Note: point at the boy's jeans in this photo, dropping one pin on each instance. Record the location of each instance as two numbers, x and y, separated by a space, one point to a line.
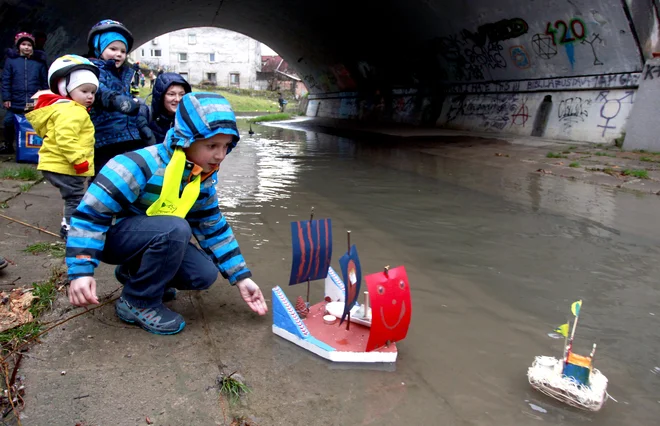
157 253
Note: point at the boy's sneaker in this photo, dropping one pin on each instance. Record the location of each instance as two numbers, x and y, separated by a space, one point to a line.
122 277
157 320
3 263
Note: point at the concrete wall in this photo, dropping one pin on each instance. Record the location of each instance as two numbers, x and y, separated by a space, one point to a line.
497 64
537 39
235 53
404 61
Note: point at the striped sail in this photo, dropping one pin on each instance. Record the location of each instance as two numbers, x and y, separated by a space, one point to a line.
312 250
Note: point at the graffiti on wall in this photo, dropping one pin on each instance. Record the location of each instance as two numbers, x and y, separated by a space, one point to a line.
492 111
612 107
594 38
531 45
544 46
566 33
613 81
497 31
573 110
651 72
519 57
520 117
471 55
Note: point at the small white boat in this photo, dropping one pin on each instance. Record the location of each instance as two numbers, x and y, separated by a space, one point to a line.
546 375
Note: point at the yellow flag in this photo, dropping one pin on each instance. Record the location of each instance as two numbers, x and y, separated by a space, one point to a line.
575 307
562 329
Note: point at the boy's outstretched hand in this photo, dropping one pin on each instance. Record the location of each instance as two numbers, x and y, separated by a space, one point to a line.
251 293
82 292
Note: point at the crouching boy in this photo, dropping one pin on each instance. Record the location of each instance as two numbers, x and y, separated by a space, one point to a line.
160 197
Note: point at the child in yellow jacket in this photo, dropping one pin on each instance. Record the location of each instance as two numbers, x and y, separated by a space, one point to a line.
66 157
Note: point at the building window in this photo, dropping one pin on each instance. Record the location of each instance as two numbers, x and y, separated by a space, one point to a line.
211 57
192 38
210 76
234 79
142 53
154 41
183 57
184 75
156 53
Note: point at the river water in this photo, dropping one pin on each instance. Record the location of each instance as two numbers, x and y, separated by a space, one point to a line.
495 258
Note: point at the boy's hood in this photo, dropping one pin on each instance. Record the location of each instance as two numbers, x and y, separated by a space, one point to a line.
39 117
201 115
163 82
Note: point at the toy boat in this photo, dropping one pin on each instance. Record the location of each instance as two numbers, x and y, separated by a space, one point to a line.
320 328
572 379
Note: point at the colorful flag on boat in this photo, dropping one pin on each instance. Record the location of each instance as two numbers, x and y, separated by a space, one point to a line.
575 307
562 329
352 273
311 242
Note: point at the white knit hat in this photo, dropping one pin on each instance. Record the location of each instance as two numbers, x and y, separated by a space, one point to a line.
75 79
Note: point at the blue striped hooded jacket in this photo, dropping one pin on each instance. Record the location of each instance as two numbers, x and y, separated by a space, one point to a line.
131 182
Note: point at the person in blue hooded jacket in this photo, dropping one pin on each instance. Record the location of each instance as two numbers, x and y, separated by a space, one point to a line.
168 90
119 127
141 211
24 74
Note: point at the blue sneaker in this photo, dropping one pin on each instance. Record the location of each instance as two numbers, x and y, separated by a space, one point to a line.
157 320
122 277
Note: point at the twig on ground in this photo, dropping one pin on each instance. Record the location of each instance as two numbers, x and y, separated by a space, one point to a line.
29 226
86 311
5 370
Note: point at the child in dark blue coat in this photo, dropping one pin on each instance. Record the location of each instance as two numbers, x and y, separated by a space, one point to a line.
119 128
23 76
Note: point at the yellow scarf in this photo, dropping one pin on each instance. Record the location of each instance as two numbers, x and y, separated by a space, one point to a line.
169 203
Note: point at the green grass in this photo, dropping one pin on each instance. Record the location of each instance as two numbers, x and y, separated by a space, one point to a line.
232 388
45 294
572 147
619 141
649 159
19 173
239 102
4 205
604 154
554 155
641 174
55 249
20 334
574 164
271 117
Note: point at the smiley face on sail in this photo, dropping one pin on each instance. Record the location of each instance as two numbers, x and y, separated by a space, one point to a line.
389 294
392 311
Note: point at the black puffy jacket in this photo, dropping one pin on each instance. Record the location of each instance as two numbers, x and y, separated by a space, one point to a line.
22 77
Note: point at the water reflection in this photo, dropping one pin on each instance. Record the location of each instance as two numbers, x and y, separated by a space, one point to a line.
496 256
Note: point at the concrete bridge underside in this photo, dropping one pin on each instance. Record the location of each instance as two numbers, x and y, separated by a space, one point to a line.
564 69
